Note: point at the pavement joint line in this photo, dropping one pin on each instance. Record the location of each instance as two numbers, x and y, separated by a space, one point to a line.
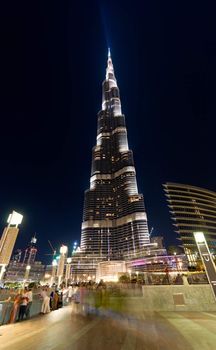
25 336
80 333
208 314
85 329
129 342
73 339
188 327
19 329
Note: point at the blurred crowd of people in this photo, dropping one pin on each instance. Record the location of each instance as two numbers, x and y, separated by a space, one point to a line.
19 302
86 297
168 278
22 302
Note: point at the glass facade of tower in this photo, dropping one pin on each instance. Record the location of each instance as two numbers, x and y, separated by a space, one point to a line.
192 209
114 217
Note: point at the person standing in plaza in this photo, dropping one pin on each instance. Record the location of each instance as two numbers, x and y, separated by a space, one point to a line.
45 308
30 299
23 305
14 311
70 293
4 306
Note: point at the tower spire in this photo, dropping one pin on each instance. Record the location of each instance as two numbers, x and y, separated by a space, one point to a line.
109 53
111 97
110 70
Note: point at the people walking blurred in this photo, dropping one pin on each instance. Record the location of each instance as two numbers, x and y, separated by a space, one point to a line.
15 308
54 299
60 300
178 279
23 305
5 304
70 293
185 280
45 308
76 308
30 299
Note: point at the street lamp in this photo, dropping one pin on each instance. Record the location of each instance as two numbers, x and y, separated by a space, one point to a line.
54 268
176 261
2 271
129 271
207 259
199 237
61 261
74 247
26 276
68 270
8 240
63 249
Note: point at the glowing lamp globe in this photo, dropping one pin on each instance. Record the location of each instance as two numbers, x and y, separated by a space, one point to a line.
14 218
63 249
199 237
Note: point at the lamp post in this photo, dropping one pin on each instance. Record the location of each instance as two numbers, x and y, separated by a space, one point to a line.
74 247
176 261
2 271
129 271
8 240
26 276
68 270
54 268
60 269
207 260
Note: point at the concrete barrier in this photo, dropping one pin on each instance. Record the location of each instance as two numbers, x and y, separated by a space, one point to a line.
6 308
196 298
178 298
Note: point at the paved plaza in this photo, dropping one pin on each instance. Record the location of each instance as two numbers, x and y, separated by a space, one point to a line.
63 329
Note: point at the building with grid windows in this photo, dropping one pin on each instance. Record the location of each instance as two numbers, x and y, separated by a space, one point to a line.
114 216
192 209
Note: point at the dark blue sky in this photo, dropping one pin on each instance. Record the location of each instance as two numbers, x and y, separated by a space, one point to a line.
53 58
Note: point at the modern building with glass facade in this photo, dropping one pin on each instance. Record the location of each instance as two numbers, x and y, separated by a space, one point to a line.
114 216
192 209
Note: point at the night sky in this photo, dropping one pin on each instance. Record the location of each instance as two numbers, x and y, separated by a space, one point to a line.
53 59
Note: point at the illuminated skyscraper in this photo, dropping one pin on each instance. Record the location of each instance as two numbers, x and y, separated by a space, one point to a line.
114 217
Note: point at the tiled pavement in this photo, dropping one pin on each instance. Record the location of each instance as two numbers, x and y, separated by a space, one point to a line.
64 330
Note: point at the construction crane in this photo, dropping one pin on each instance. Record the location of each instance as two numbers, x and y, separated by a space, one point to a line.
53 250
152 229
51 246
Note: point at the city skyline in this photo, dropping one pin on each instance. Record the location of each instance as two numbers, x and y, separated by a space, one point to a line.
51 87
